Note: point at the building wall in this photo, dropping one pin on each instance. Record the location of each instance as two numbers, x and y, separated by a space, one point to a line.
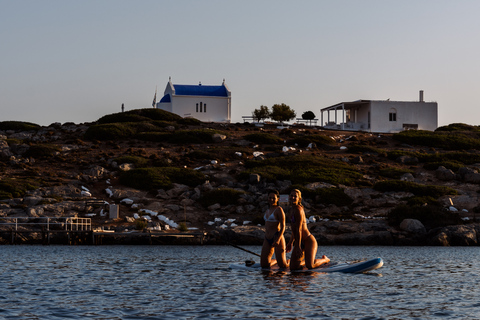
218 108
423 114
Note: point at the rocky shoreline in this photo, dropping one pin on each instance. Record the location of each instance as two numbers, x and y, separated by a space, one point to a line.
81 170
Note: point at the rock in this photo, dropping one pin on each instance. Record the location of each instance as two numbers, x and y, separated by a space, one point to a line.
413 226
254 178
357 160
444 174
95 171
407 160
32 201
218 137
407 177
214 207
126 166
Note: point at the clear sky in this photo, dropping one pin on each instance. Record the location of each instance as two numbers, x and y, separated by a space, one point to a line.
75 61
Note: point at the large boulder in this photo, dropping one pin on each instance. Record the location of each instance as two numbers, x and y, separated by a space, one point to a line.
413 226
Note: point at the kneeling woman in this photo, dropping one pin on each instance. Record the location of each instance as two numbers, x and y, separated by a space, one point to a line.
303 242
274 240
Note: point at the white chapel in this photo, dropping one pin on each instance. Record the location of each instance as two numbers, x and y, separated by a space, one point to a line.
208 103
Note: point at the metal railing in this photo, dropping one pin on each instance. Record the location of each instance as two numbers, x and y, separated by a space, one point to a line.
66 223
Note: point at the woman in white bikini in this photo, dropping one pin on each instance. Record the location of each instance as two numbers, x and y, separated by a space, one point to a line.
304 243
274 228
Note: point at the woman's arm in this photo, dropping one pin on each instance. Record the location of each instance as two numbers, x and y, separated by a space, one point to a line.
280 216
297 228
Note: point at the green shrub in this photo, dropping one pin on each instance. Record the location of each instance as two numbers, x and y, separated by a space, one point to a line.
192 136
318 139
415 188
42 151
431 216
302 169
358 148
326 196
19 126
189 121
151 179
420 201
139 162
182 227
140 224
111 131
263 138
15 188
449 140
452 165
458 127
394 173
122 117
140 115
154 136
223 196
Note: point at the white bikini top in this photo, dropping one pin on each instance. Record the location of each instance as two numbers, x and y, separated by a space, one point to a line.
270 218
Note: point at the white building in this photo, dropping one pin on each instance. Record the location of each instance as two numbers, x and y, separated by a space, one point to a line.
205 103
381 115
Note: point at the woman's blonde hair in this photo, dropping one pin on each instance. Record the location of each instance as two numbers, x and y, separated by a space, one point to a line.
299 196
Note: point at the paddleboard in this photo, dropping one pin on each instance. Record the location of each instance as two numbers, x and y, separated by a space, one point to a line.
346 267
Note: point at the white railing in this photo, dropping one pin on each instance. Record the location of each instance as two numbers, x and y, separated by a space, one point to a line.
68 224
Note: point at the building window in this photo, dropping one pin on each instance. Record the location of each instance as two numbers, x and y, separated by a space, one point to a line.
201 106
392 116
197 107
205 107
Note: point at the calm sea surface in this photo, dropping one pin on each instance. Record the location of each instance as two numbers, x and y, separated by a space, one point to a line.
194 282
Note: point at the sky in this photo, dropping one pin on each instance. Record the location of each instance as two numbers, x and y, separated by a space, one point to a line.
76 61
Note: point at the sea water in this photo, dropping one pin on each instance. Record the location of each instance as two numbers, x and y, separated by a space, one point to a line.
195 282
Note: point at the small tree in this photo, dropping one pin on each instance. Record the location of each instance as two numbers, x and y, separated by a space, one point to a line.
261 114
308 115
282 113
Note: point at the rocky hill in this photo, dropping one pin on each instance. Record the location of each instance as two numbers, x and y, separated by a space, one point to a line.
168 173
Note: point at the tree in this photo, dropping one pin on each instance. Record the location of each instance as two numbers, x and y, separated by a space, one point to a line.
282 113
261 114
308 115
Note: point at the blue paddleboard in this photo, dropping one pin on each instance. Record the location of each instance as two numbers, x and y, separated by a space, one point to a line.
346 267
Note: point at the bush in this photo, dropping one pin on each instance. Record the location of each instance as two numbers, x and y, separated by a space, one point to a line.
19 126
318 139
452 165
15 188
302 169
415 188
358 148
42 151
326 196
431 216
420 201
449 140
137 161
263 138
151 179
140 224
223 196
394 173
139 115
111 131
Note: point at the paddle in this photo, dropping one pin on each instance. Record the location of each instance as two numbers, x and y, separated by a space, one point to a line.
235 246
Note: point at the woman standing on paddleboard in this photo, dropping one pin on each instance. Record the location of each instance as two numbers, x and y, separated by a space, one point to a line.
274 228
304 243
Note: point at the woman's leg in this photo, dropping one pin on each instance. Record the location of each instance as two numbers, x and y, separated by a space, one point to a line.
281 255
311 247
266 256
